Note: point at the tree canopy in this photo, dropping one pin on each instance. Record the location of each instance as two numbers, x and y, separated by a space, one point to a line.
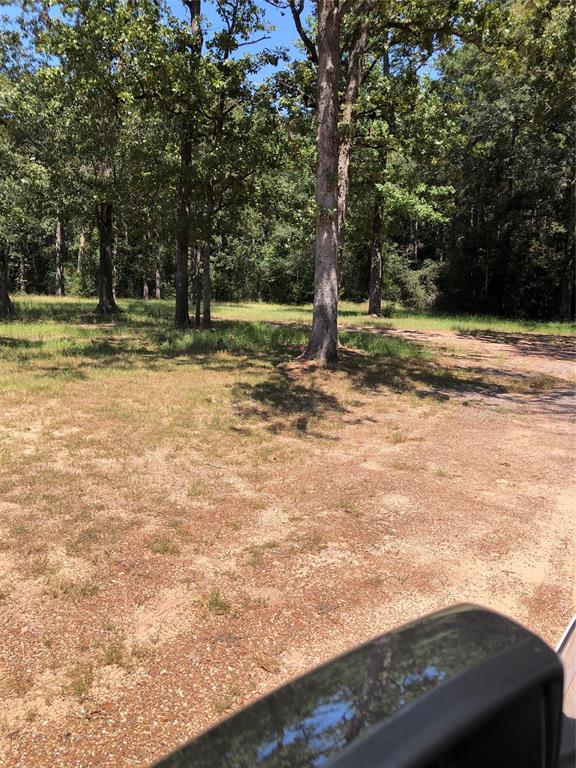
174 149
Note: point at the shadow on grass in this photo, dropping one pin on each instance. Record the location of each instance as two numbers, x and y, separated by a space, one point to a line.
370 360
532 344
285 404
423 378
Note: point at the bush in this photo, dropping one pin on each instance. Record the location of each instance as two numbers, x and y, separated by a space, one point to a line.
415 286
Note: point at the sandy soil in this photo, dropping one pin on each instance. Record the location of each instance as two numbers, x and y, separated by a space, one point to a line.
399 504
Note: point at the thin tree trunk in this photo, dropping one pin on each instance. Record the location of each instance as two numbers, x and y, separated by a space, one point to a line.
7 309
104 215
21 273
60 255
194 50
81 248
375 287
181 317
353 80
197 261
106 301
323 342
158 291
376 245
568 289
206 256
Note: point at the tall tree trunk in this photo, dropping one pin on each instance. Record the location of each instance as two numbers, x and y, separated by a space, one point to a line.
106 301
7 309
104 215
206 256
60 255
375 287
194 50
375 284
181 317
323 342
81 248
568 289
158 291
346 128
197 262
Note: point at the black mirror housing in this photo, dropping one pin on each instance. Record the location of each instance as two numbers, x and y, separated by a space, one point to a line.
464 687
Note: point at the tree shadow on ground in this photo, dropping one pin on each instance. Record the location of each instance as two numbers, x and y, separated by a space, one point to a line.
372 362
425 379
284 404
532 344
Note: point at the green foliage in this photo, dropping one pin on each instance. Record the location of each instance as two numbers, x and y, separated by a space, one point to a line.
465 154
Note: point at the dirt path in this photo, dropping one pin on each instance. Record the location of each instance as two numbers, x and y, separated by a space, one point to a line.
302 543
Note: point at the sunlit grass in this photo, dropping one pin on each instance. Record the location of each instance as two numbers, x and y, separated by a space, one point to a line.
51 311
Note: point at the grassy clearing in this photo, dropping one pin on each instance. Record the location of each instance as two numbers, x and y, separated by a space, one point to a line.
153 480
61 341
52 311
58 341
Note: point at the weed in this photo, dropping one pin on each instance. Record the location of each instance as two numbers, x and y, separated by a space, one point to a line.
81 678
227 702
162 545
403 466
82 543
115 653
18 681
257 551
352 510
141 651
217 604
312 542
40 566
76 590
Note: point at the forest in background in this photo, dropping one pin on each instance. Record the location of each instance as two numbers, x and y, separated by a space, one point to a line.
148 153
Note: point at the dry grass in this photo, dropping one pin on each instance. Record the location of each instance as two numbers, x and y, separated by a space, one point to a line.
156 489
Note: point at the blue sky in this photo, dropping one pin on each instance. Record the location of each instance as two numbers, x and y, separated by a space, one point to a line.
284 34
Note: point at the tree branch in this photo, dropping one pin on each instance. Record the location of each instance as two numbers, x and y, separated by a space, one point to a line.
296 7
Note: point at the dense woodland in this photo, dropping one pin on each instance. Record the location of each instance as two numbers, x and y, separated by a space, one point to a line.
413 152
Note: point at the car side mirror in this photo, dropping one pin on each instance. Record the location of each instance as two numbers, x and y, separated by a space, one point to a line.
461 688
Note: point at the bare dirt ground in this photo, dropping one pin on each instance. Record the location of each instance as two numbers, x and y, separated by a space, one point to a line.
162 566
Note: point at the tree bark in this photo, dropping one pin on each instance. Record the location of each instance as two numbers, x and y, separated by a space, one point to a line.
206 256
7 309
60 256
181 317
375 287
81 248
104 221
568 290
323 342
106 300
158 291
353 80
197 262
194 50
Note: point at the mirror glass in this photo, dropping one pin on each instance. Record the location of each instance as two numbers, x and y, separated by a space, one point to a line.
313 718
